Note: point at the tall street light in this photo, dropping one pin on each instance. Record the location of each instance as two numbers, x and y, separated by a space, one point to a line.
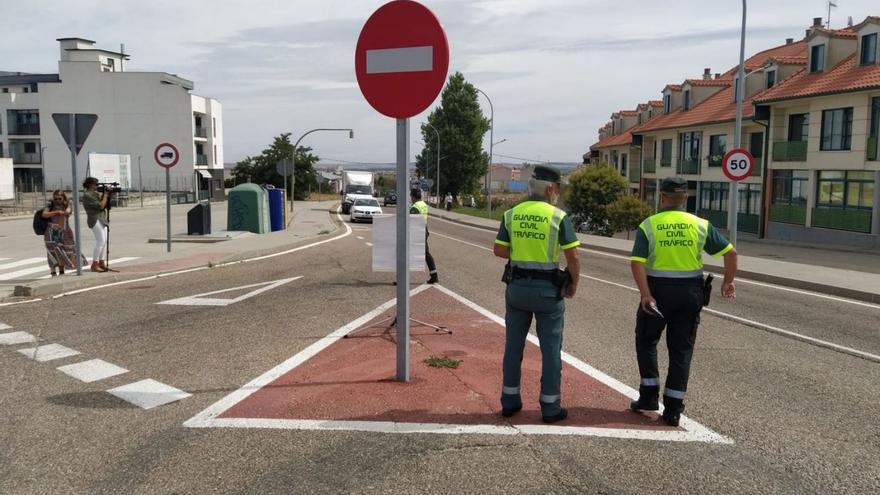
733 199
438 161
293 159
491 137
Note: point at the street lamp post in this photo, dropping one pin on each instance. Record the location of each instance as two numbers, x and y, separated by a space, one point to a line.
438 161
733 200
293 159
491 137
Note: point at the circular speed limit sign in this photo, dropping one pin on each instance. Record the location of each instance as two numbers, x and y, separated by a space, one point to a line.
738 164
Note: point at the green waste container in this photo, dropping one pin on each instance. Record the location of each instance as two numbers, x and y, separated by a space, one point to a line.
248 209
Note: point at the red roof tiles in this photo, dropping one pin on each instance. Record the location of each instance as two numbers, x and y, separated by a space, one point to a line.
756 61
835 33
656 103
709 82
846 76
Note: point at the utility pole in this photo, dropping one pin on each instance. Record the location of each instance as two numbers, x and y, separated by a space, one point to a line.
491 138
733 199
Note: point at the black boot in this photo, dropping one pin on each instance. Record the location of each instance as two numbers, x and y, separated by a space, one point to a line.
647 399
672 409
563 413
434 279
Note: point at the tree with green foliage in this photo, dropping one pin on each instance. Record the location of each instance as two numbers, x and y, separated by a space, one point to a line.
461 124
261 169
589 193
626 213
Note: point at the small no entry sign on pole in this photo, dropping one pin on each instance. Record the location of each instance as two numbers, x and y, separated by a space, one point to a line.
738 164
167 155
401 62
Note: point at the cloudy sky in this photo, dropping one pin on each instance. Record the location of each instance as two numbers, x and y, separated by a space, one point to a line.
555 69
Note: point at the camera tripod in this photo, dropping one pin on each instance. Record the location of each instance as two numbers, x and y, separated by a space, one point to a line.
107 254
393 320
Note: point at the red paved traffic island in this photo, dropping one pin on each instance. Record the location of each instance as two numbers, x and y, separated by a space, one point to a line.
348 383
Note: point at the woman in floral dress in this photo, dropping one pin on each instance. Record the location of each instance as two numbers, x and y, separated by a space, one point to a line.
60 247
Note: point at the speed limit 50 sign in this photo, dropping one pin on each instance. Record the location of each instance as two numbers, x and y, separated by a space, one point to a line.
738 164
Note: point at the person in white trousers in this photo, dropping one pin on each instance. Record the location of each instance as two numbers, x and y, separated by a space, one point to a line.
95 204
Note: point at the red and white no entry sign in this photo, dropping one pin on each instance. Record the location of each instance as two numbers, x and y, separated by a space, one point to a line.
401 59
166 155
738 164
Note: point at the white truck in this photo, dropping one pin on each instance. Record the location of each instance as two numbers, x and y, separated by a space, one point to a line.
355 185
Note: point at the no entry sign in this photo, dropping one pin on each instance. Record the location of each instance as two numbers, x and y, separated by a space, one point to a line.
738 164
166 155
401 59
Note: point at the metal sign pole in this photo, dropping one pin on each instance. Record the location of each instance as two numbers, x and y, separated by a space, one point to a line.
733 200
72 145
168 207
403 235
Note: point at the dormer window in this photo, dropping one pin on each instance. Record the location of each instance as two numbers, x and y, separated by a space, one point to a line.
869 49
687 99
817 58
771 78
650 112
667 103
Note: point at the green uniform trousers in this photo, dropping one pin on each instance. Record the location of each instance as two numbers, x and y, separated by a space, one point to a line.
524 299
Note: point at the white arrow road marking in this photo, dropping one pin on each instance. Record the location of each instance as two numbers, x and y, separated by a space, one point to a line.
201 300
415 59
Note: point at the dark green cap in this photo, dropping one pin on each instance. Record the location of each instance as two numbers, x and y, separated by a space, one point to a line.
547 173
674 185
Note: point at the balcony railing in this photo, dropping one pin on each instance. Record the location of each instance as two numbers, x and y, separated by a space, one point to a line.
24 130
842 219
201 132
790 151
715 160
666 161
26 158
201 159
759 167
635 174
649 165
688 166
872 148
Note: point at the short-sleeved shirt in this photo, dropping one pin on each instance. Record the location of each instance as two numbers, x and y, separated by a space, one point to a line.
716 244
567 237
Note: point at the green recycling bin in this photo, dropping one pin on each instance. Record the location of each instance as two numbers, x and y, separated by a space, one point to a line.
248 209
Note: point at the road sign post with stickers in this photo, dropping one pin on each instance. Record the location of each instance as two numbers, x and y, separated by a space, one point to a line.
167 155
401 62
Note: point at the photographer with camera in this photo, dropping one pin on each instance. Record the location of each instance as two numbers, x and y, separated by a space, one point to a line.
97 203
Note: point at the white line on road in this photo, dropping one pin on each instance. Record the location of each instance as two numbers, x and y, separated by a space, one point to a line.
201 300
48 352
739 280
25 262
30 271
369 244
15 338
360 238
754 324
4 326
92 370
148 393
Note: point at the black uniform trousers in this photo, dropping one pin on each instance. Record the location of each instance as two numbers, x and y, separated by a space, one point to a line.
680 301
429 260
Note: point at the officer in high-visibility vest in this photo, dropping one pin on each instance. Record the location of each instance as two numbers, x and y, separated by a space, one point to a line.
667 265
421 208
531 236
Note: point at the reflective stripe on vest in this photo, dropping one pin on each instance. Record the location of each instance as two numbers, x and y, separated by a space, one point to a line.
534 235
422 207
675 244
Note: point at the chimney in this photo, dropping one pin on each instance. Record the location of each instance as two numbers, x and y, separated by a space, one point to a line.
707 74
717 75
789 41
817 22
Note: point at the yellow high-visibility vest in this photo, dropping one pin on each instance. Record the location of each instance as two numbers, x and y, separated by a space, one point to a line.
534 235
675 244
422 207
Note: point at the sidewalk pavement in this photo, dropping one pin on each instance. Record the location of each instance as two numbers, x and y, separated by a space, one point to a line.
852 274
131 228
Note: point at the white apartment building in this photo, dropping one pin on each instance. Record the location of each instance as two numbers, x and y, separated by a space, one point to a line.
136 112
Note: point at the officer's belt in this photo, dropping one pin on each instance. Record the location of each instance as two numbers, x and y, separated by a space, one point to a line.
517 273
694 281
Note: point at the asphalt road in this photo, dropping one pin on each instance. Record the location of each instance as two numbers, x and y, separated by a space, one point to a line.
801 417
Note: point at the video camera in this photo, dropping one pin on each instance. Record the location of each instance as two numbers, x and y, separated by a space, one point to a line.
109 187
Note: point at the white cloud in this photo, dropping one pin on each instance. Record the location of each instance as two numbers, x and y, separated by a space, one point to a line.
556 69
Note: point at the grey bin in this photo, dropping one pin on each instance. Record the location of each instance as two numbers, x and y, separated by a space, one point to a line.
198 219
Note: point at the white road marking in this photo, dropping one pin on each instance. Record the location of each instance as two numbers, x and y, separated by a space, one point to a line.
738 280
4 326
25 262
693 431
15 338
754 324
148 393
48 352
369 244
360 238
30 271
92 370
412 59
201 300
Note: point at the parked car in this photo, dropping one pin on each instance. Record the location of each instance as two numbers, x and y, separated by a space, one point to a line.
390 198
365 209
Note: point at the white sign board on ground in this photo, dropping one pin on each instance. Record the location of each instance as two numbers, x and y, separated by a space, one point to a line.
385 243
7 179
107 167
